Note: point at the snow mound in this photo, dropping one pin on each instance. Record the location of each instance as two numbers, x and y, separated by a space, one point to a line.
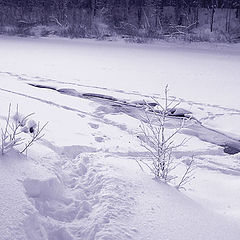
48 189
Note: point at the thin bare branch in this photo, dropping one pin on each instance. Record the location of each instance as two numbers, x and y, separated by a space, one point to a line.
187 176
36 136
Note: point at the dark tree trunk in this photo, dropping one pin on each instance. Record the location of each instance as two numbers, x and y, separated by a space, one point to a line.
126 10
140 13
178 12
212 16
159 13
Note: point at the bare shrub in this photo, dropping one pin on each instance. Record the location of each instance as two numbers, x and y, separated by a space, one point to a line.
19 130
161 145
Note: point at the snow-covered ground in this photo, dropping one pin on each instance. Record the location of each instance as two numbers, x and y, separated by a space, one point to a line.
82 181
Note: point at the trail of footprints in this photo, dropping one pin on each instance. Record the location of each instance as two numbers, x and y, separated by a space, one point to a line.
88 203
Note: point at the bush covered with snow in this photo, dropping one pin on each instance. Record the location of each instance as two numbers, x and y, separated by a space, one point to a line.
19 130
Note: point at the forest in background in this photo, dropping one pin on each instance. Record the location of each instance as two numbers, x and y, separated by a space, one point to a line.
134 20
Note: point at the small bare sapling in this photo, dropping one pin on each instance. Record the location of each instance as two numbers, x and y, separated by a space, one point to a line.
161 145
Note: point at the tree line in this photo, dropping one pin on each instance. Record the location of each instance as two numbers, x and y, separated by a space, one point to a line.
130 17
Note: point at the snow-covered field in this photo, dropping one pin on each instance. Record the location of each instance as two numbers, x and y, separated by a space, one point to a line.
81 180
